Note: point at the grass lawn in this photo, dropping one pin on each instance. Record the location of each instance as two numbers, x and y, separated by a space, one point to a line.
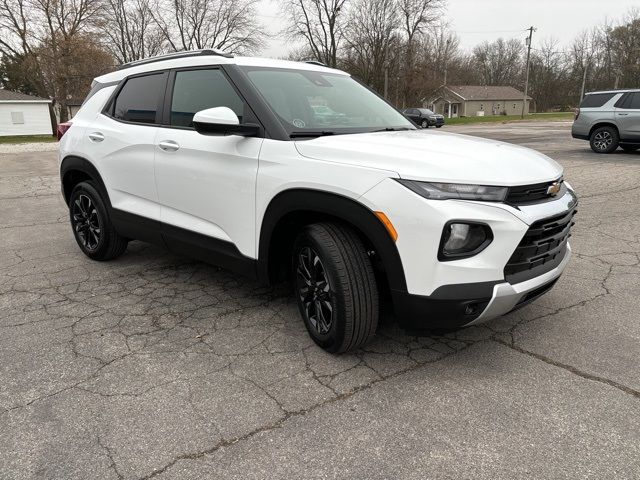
544 117
27 139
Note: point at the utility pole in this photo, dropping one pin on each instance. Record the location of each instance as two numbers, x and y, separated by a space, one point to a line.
526 77
446 60
584 81
386 71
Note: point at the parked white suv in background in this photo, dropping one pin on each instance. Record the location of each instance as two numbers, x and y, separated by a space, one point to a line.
235 161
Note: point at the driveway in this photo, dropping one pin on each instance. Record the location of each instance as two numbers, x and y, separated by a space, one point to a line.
156 366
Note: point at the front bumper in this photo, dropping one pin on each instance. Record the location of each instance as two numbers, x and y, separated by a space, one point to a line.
452 294
462 305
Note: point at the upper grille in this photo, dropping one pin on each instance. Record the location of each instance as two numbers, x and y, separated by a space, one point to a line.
541 249
524 194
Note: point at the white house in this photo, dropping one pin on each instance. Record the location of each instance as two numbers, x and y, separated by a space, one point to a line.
22 114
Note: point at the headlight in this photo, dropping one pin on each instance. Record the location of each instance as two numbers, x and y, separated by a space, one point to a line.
461 239
460 191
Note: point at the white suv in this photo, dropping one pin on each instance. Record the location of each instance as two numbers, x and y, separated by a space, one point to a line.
237 162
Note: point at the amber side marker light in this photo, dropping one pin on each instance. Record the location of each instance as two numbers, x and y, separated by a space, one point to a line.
388 225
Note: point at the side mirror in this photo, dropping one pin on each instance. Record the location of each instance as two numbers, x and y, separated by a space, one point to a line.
222 121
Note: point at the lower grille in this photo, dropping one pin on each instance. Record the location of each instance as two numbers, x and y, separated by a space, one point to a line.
541 249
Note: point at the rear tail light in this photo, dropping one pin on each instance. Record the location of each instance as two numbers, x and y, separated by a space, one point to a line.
577 113
62 129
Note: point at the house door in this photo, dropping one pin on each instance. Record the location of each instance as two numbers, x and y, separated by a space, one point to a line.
454 110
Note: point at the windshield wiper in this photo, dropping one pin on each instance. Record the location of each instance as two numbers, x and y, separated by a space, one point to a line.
392 129
322 133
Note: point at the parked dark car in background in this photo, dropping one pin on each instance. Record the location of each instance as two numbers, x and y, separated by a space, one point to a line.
424 117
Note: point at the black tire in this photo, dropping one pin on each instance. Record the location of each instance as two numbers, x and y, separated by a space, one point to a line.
630 148
438 126
333 273
604 140
91 225
424 124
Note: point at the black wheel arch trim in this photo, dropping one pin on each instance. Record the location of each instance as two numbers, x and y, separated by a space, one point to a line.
335 205
73 163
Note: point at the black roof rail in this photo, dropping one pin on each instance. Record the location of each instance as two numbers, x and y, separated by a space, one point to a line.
172 56
315 62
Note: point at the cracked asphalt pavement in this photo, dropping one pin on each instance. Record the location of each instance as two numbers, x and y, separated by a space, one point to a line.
156 366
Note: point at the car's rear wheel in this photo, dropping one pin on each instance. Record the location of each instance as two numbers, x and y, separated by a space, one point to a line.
424 124
604 140
92 227
335 287
630 148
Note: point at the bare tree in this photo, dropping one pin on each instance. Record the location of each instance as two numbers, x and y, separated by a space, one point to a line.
624 50
499 62
319 23
42 39
131 31
584 56
194 24
548 75
416 17
372 41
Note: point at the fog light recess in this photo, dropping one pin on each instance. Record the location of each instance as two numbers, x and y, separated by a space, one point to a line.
463 239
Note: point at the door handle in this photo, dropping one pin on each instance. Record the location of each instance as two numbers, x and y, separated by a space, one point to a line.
96 137
169 145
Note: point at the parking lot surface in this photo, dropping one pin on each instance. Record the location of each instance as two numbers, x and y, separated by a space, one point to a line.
156 366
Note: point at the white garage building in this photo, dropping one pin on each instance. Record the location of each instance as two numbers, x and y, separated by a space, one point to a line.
22 114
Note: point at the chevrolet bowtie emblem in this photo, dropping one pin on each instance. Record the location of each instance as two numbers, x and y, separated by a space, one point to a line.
553 189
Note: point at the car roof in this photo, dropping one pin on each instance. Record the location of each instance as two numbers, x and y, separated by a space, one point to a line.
626 90
198 58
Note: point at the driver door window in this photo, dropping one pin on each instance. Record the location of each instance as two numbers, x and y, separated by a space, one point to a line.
195 90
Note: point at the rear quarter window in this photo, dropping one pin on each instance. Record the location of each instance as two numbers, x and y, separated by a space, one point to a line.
596 100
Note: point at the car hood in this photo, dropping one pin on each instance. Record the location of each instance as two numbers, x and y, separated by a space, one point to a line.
436 156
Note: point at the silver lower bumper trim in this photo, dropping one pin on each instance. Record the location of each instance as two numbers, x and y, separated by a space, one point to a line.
506 296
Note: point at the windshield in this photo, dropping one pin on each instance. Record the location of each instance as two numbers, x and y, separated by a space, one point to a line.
426 111
319 103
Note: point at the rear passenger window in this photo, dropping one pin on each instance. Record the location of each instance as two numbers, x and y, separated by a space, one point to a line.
633 102
596 100
196 90
139 99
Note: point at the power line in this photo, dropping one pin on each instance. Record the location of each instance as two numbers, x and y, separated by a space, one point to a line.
491 31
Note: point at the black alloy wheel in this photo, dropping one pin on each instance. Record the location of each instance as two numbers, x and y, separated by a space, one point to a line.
314 291
335 286
86 223
91 224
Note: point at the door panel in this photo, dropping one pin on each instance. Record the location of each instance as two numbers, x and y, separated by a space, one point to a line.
125 160
628 118
122 140
208 185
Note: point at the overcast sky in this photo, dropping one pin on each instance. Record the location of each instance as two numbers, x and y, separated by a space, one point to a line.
477 20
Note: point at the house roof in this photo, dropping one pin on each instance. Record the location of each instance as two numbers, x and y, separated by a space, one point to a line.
485 92
10 96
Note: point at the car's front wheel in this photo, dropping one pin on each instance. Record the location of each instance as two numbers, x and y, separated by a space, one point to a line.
335 287
92 227
424 124
604 140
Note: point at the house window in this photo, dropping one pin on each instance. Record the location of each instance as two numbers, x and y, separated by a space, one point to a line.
17 118
514 106
482 106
